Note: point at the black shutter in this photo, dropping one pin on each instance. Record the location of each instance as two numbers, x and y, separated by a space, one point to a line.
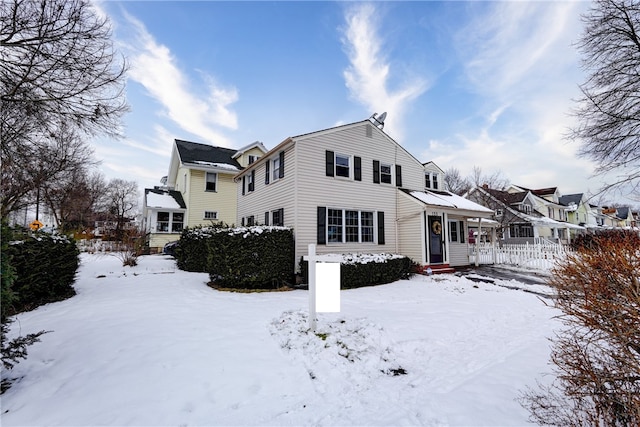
357 168
281 216
381 228
376 171
462 232
243 185
329 160
322 224
266 174
252 184
243 221
266 218
281 175
398 176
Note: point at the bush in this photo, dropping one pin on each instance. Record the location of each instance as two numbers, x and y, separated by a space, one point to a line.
192 251
591 239
45 268
596 357
258 257
367 270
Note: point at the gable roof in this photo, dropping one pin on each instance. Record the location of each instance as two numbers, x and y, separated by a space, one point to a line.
571 199
204 154
445 199
163 199
257 144
506 197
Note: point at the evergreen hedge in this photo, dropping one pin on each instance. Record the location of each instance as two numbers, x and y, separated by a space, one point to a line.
258 257
361 270
44 268
191 251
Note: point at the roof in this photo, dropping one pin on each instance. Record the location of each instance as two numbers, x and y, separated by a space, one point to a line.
571 199
506 197
204 154
257 144
540 191
163 199
447 200
622 212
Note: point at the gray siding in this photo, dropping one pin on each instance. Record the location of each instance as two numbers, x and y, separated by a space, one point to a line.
411 229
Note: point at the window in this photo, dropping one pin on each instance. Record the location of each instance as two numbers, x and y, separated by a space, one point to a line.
211 180
250 221
178 221
210 215
521 230
499 212
253 159
431 180
385 173
170 221
251 180
349 226
334 225
162 226
453 231
342 165
184 183
277 218
276 168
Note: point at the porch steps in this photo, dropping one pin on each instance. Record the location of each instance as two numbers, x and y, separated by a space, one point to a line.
437 269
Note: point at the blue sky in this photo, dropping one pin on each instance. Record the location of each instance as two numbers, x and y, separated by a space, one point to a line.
464 83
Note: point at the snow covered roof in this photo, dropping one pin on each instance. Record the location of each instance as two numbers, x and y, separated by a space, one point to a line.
163 199
206 155
448 200
216 165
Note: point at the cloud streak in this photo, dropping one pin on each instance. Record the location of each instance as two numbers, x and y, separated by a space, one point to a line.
369 73
154 67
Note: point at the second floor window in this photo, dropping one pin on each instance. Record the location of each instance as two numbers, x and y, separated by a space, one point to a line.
385 173
276 168
342 166
211 181
431 180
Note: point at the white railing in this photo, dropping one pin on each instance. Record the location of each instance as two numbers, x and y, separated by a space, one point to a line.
540 256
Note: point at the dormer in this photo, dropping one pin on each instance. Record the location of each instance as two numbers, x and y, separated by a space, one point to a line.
250 153
433 177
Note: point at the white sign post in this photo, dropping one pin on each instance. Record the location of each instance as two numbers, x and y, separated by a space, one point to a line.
324 285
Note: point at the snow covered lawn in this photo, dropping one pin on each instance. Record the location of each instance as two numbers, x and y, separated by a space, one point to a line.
154 346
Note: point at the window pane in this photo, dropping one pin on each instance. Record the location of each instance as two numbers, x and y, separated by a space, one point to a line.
211 181
385 174
453 230
163 222
427 180
435 181
366 226
342 166
334 225
351 220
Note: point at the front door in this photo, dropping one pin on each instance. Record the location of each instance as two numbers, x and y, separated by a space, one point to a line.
434 239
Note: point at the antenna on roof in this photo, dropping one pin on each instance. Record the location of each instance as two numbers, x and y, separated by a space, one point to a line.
163 180
378 120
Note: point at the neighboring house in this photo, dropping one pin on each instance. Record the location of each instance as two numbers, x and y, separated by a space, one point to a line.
578 210
164 215
518 213
352 188
201 182
546 201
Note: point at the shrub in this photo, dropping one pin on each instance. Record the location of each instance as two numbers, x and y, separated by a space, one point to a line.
258 257
45 268
596 356
358 270
592 239
192 251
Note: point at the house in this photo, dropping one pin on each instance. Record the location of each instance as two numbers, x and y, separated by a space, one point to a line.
199 189
352 188
578 210
520 217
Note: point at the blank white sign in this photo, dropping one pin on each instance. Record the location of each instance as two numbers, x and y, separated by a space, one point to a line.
328 287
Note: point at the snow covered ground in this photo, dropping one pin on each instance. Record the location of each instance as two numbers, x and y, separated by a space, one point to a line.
154 346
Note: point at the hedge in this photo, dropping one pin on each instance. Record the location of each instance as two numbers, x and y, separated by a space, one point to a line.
192 250
358 270
45 267
258 257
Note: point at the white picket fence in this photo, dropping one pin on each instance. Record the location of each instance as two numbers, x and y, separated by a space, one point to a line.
540 256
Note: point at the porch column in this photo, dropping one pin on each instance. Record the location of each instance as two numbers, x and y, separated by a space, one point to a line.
494 237
478 241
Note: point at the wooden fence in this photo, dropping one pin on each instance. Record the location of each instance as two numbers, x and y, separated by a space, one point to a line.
540 256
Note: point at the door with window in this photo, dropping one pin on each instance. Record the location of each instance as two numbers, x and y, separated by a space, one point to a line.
435 239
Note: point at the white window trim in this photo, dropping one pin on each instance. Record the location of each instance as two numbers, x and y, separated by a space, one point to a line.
335 166
275 172
433 176
170 222
391 169
344 226
205 182
215 215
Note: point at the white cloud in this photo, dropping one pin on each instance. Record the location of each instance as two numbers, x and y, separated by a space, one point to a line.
368 75
154 66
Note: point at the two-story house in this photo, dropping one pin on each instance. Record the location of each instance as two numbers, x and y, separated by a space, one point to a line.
199 189
353 189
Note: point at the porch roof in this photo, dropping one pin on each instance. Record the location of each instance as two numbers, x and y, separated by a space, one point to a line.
445 199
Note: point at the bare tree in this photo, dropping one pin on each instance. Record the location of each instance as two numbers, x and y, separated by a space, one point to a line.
609 110
455 182
59 75
495 180
122 203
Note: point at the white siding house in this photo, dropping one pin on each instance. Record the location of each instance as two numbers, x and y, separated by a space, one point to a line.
344 189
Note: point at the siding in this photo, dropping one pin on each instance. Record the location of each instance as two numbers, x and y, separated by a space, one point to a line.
198 200
411 229
459 252
158 240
